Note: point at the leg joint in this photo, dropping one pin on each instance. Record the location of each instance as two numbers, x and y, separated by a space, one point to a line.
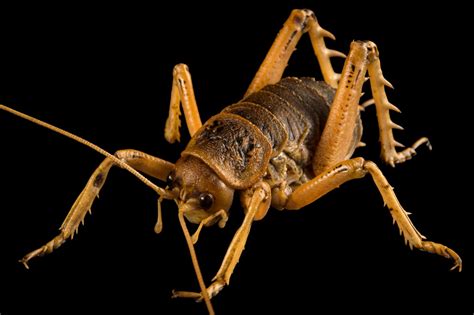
373 51
180 68
358 166
300 18
128 154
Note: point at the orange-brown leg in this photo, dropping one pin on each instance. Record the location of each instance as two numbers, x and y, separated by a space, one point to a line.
257 199
347 170
140 161
340 137
383 107
342 131
182 92
299 22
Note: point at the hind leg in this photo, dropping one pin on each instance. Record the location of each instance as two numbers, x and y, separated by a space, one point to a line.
383 107
182 93
341 134
298 23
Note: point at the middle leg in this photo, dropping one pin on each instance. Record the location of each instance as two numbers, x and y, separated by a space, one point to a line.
357 168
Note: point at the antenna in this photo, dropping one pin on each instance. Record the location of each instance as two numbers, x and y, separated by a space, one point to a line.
162 192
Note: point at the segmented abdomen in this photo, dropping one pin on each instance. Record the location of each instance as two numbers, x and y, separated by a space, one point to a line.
291 114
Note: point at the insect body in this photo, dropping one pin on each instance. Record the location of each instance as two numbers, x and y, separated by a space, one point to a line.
269 135
285 144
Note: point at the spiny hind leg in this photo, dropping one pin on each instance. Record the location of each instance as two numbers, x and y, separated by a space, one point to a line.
383 107
299 22
148 164
182 93
347 170
342 130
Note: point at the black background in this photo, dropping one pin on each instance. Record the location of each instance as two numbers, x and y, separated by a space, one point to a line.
104 73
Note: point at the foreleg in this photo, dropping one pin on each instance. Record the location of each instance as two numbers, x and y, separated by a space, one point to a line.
140 161
260 198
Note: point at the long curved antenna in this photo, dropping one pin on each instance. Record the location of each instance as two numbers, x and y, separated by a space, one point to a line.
162 192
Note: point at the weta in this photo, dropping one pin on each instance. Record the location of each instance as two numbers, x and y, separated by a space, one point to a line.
287 143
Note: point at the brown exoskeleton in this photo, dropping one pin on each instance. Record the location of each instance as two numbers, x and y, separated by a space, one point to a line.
285 144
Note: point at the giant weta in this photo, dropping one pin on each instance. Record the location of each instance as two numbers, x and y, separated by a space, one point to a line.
288 142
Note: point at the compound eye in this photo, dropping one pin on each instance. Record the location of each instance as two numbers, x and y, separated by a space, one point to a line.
169 180
206 200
